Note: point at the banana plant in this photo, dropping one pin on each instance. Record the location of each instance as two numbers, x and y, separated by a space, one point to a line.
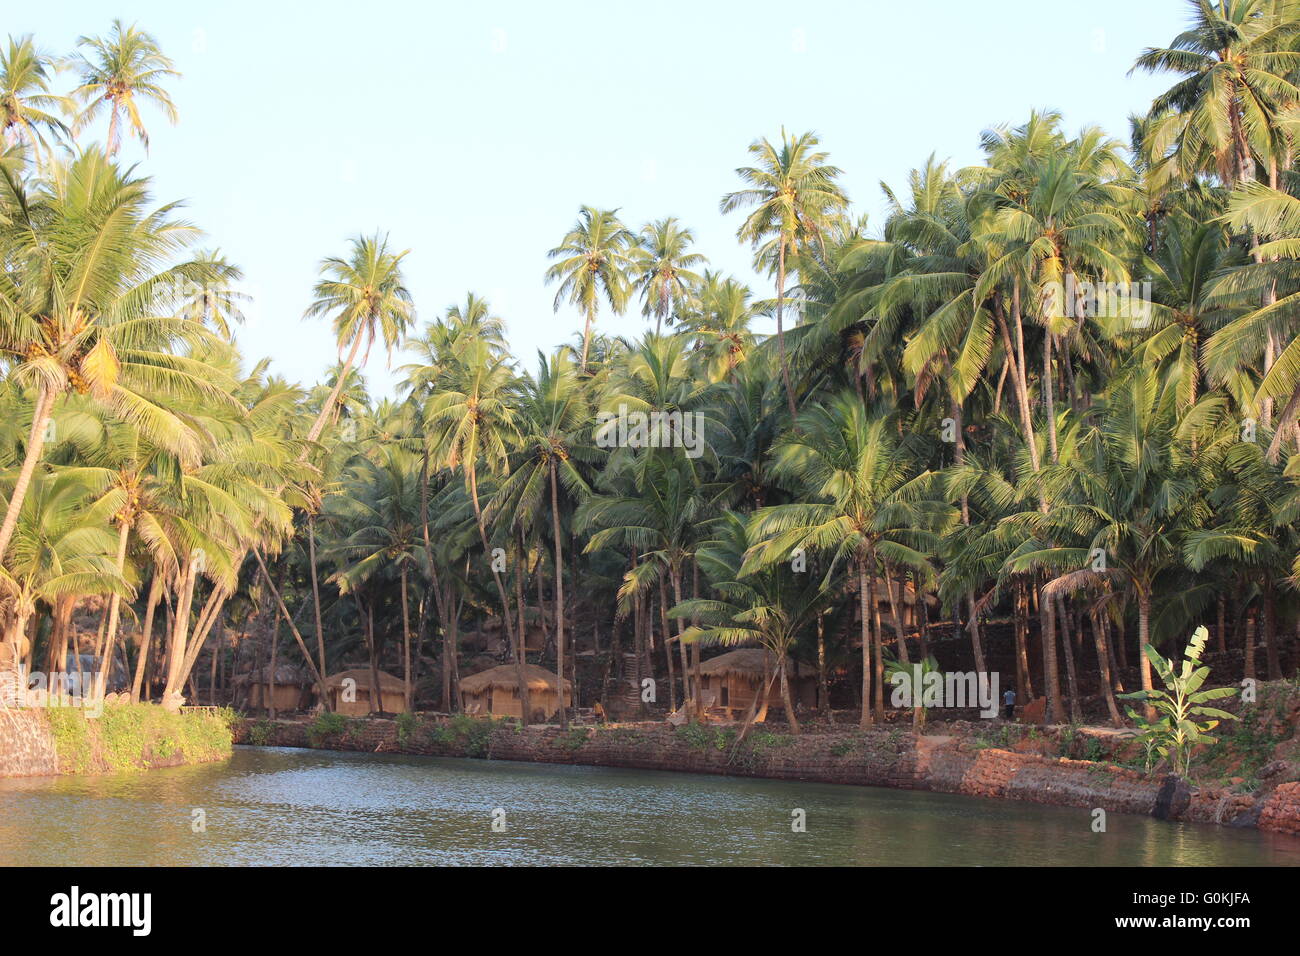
1175 732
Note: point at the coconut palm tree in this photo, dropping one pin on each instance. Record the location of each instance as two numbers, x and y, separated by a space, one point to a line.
27 106
473 426
1235 60
63 546
87 306
554 449
379 504
862 500
662 271
365 296
594 258
768 607
795 198
119 73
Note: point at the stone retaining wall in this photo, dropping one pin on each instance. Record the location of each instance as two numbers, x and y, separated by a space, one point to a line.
26 744
884 758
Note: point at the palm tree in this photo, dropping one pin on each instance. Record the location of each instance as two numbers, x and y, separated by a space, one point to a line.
768 607
25 98
595 257
554 448
1235 61
866 502
119 73
84 308
1132 493
719 325
379 505
796 198
473 425
366 297
63 546
662 269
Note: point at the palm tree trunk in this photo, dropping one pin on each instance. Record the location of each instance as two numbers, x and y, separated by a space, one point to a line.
896 618
293 629
376 694
780 331
1049 399
471 470
863 600
1270 632
586 336
1103 669
1072 682
406 646
1144 637
171 698
1051 669
559 592
326 409
270 668
785 696
668 649
35 444
822 685
114 608
315 590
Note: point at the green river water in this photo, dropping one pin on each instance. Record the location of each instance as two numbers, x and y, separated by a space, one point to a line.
280 806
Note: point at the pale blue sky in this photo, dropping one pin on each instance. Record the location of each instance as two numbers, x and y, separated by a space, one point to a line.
472 133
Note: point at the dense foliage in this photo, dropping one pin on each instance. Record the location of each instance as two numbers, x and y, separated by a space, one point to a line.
1060 388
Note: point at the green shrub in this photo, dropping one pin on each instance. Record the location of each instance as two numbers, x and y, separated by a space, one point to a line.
327 727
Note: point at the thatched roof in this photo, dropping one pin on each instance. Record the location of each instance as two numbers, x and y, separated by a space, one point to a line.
539 679
387 682
745 660
286 674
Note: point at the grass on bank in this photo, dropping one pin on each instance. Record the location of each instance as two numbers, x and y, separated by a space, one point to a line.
130 737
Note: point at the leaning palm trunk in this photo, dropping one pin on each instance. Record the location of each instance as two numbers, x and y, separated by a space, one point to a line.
35 444
327 409
293 629
172 698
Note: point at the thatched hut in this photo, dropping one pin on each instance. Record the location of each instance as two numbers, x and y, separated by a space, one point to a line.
731 681
392 692
496 691
292 688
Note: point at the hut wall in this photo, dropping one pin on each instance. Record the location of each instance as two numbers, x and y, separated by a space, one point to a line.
392 702
286 697
505 702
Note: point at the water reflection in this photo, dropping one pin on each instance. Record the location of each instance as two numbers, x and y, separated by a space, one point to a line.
293 807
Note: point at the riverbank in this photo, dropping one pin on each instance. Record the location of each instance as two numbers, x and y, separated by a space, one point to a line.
47 741
1006 761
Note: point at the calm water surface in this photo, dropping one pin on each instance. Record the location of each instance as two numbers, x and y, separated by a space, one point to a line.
288 807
